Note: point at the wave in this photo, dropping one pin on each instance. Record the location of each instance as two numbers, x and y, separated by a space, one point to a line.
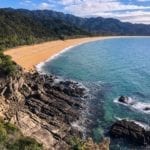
134 104
39 67
141 124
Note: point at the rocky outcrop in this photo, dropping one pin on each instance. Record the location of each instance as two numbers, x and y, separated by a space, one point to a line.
123 99
42 106
131 131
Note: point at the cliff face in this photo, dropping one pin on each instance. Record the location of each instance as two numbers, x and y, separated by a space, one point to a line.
42 107
45 108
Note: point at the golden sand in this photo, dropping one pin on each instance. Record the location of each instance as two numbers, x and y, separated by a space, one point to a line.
29 56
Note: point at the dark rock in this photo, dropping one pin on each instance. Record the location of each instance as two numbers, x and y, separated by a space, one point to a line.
123 99
70 88
57 103
130 131
147 108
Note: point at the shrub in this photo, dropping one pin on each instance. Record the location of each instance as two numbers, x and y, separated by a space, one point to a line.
11 128
12 139
25 143
77 143
3 134
7 66
88 144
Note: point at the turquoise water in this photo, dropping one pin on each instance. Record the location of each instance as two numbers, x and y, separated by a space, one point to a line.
109 68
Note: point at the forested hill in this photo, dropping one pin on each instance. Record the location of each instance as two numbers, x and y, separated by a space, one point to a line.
98 25
19 27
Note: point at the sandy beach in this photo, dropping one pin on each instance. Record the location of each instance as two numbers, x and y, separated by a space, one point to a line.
29 56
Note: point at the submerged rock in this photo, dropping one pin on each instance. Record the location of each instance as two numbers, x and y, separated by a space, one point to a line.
131 131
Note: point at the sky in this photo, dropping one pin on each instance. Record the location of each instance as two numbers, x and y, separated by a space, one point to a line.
135 11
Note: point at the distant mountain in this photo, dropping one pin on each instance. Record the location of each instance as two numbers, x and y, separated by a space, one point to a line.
99 25
20 26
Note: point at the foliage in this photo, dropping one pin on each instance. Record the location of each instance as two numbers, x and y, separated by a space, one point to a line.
10 128
7 66
3 133
12 139
25 144
79 144
20 27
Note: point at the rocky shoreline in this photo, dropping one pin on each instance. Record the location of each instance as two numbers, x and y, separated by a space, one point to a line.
50 110
131 131
45 108
136 133
42 107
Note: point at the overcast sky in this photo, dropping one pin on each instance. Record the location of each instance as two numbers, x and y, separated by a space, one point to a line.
135 11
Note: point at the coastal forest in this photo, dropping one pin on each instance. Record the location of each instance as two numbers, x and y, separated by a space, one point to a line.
21 27
25 27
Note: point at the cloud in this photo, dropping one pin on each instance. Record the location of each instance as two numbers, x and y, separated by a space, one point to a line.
143 0
88 7
127 11
25 2
28 1
128 16
44 6
108 8
70 2
136 17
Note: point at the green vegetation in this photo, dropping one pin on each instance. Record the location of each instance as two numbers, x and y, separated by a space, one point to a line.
25 144
79 144
12 139
23 27
7 66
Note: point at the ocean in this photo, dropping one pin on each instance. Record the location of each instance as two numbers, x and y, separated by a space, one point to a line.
109 68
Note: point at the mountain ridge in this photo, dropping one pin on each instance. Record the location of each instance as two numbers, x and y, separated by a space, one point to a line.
21 26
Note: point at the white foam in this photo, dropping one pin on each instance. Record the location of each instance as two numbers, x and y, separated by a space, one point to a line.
39 68
136 105
40 65
77 125
142 107
130 101
141 124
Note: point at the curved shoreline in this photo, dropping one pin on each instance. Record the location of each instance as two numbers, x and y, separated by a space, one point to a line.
29 57
41 64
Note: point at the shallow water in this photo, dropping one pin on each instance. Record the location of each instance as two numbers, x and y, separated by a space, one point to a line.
109 68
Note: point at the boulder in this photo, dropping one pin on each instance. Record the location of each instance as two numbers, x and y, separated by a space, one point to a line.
131 131
123 99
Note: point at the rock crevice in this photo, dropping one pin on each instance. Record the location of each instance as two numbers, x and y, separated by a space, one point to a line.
41 107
